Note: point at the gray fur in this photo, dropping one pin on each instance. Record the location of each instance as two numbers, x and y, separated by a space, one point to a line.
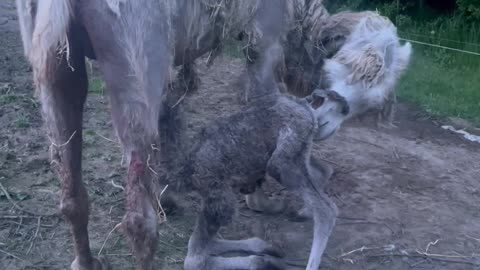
273 137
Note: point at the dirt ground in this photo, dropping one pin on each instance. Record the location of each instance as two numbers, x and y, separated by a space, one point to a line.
408 196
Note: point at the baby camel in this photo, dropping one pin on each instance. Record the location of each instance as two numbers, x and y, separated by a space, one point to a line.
272 137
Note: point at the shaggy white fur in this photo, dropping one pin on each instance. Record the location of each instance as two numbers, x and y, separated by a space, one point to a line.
367 67
24 8
49 33
114 5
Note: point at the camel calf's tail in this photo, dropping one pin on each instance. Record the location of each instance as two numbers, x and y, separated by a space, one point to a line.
44 25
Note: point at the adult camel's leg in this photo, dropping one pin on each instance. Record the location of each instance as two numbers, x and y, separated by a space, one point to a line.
62 91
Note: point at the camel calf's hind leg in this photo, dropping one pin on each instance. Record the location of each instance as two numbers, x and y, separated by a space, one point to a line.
63 93
321 172
204 249
289 167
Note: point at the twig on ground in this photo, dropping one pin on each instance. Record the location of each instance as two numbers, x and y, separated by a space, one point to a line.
18 207
150 167
154 147
471 237
296 264
395 153
120 254
107 139
338 197
108 236
117 185
15 217
366 222
331 162
243 214
351 218
424 256
367 142
354 251
363 248
42 225
116 201
432 255
35 236
19 224
18 258
173 246
162 211
123 158
359 223
11 255
180 99
208 58
428 246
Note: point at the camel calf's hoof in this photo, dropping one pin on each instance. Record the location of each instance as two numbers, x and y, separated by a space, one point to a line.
270 263
97 264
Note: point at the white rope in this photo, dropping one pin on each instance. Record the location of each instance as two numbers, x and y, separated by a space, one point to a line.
440 46
439 38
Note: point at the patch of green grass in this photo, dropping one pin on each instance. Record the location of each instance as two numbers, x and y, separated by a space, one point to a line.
89 137
442 89
452 32
233 49
22 122
15 99
96 86
7 99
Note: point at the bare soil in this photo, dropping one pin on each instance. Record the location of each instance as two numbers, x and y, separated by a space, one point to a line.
397 189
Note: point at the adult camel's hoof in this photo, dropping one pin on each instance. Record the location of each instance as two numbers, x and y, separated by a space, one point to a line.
97 264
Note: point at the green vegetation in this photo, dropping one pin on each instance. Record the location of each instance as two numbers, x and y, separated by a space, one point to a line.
89 137
8 99
442 90
22 122
96 86
233 49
